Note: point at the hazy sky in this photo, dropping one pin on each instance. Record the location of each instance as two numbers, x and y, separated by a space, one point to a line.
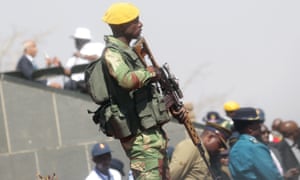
242 50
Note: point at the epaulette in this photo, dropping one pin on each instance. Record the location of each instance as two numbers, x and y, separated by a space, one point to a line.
253 140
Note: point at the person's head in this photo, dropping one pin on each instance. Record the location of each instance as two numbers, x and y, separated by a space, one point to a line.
81 36
230 107
30 48
214 137
123 18
290 129
276 124
101 156
247 121
264 134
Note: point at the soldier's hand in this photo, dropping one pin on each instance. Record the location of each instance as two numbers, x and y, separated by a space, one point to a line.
181 115
156 72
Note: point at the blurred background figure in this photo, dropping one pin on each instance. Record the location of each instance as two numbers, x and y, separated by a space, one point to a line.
224 162
86 51
273 151
275 135
27 65
190 107
187 163
230 107
288 147
213 117
101 156
249 158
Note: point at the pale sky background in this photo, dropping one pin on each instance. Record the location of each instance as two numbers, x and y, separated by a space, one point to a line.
242 50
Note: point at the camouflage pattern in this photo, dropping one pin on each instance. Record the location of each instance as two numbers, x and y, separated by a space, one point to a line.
147 153
147 149
126 77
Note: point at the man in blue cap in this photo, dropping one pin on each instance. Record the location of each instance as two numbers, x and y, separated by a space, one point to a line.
249 158
101 156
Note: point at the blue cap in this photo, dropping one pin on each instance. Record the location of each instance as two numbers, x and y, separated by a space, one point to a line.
248 114
100 149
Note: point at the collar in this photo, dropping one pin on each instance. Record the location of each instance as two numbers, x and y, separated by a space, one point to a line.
103 176
115 42
29 57
289 142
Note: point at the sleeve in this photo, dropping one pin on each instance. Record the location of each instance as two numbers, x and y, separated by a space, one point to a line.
27 70
125 77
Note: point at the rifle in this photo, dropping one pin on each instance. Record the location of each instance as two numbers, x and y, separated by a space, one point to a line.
171 91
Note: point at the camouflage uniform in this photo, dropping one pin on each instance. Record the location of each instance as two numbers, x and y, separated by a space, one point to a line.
146 149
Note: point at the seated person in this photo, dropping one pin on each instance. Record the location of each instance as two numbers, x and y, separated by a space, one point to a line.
26 64
86 51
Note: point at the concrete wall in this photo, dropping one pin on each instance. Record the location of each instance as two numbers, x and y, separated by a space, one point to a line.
45 131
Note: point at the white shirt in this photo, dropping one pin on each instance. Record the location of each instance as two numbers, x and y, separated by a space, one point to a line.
88 49
276 162
114 175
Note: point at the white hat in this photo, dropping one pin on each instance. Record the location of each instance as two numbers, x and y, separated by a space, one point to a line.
82 33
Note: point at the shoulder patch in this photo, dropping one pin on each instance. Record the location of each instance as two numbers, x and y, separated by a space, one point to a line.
253 140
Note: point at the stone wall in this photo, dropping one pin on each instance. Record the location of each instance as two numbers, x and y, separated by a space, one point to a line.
45 131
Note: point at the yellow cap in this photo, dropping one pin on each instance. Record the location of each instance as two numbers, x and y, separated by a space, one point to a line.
231 106
120 13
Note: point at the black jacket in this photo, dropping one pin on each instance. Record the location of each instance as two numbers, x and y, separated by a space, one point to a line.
26 67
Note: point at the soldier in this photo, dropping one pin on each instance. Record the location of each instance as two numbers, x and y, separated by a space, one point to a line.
135 97
187 163
230 107
249 158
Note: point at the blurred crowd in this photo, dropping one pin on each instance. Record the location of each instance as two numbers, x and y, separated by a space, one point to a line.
85 52
236 146
240 146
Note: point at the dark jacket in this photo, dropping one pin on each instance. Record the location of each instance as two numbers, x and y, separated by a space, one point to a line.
288 159
26 67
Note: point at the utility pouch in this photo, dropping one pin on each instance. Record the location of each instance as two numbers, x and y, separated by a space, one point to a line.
142 98
150 107
117 122
100 117
160 109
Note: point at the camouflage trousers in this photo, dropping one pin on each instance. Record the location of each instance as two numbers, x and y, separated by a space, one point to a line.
147 154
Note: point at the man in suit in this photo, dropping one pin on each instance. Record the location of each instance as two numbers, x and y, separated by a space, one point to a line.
288 147
27 66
